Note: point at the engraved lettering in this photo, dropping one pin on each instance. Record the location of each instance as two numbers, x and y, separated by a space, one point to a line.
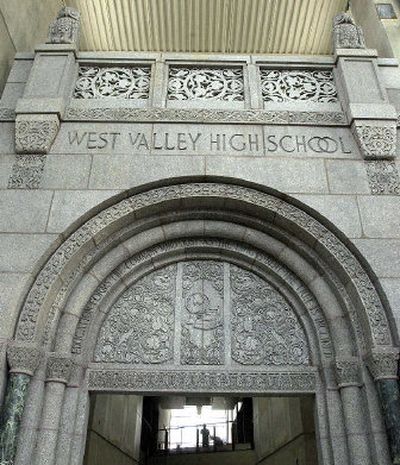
282 145
181 141
301 143
74 137
343 147
194 139
271 139
253 142
238 145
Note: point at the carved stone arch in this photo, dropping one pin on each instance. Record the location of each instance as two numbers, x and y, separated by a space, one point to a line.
337 300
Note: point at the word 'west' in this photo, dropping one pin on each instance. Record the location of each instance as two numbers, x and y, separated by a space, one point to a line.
200 142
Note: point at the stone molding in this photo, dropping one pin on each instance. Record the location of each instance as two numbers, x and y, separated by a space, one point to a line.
346 33
65 29
384 364
122 114
59 368
211 381
377 140
50 273
35 134
23 358
348 372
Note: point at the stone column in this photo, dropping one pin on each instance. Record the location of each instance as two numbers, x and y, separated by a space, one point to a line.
383 366
23 361
57 376
349 383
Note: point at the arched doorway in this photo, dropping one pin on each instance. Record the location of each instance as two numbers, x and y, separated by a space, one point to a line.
230 289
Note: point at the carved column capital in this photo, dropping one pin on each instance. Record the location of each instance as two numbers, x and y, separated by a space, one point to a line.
35 133
66 27
346 33
376 139
59 368
348 372
23 358
384 364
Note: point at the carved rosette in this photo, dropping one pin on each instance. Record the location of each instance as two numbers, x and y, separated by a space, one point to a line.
23 358
376 140
384 365
59 368
35 133
346 33
348 372
65 29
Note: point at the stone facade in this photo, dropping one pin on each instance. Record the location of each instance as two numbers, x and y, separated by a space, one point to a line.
223 226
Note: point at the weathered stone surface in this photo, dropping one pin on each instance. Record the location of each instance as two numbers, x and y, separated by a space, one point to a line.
379 216
347 177
35 133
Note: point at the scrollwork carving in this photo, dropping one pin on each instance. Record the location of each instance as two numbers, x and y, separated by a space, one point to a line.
298 86
65 29
27 172
59 368
348 372
113 82
383 177
140 325
35 133
265 330
23 358
346 34
384 364
224 84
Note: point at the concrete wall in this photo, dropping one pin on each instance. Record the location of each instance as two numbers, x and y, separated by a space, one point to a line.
114 430
284 431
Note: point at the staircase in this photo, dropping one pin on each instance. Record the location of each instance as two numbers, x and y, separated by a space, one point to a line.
240 457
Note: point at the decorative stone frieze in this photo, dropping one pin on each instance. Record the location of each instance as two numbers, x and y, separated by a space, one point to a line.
27 172
23 358
96 82
317 118
202 381
59 368
383 177
377 140
346 33
298 86
223 84
384 364
348 372
35 133
65 29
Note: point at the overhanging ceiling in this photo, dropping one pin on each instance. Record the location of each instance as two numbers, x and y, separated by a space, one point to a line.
227 26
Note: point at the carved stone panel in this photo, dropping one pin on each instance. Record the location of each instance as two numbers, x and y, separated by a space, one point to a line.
298 85
225 84
96 82
202 319
140 325
265 330
203 313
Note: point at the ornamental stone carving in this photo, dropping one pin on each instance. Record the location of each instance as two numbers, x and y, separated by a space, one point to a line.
298 85
384 364
27 172
265 330
59 368
23 358
223 84
348 372
346 34
203 313
65 29
35 133
383 177
203 381
113 82
140 326
376 140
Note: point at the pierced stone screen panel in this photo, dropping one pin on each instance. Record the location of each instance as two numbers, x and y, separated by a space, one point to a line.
298 86
96 82
202 312
218 84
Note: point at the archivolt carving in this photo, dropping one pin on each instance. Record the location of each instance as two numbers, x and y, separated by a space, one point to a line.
140 326
224 84
298 85
265 329
50 273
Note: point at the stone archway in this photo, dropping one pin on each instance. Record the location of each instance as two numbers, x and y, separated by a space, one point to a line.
305 269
